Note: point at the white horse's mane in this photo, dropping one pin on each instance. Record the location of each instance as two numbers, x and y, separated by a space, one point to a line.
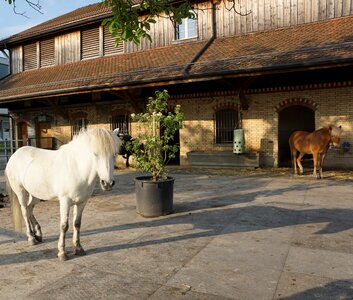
100 141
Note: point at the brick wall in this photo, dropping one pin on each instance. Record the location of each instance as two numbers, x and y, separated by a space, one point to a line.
260 121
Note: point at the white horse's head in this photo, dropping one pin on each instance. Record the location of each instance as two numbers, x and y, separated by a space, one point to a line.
105 168
104 145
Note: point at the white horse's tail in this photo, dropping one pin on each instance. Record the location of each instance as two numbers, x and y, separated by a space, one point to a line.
15 205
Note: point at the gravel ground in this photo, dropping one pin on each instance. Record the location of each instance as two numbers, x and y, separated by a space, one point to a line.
331 174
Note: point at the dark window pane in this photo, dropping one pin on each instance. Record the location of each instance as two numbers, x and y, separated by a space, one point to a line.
226 122
122 122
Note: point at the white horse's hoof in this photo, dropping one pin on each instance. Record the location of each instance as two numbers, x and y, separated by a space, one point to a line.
63 256
79 251
38 238
32 242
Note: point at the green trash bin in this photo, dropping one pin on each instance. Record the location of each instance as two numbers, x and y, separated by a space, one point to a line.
239 143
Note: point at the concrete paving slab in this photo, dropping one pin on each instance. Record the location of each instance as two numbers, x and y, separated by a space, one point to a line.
229 267
323 263
261 235
299 286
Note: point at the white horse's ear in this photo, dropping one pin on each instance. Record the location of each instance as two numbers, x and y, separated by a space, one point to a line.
116 131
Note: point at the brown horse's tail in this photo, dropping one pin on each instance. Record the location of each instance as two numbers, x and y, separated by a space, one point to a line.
15 205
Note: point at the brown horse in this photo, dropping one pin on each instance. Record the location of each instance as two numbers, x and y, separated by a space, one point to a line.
316 143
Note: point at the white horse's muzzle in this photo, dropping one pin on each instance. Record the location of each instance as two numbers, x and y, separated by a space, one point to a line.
107 186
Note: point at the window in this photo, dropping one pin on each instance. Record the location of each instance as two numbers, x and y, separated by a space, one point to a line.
78 124
122 122
225 122
186 30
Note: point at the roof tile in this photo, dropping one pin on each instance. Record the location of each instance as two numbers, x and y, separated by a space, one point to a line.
327 42
81 14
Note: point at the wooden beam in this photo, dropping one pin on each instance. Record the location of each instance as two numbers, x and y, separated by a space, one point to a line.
96 96
239 87
243 101
132 96
54 104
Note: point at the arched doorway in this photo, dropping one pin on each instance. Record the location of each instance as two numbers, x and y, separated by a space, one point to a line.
290 119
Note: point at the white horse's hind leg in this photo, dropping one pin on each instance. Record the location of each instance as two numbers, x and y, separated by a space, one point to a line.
26 213
78 209
64 226
35 225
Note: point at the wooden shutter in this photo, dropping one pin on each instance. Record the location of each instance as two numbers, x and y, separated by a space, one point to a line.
90 43
47 52
67 48
30 56
16 60
109 44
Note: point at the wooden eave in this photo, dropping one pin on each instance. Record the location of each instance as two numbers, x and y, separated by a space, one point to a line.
182 79
6 44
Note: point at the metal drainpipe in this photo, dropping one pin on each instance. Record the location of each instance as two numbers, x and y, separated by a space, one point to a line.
205 47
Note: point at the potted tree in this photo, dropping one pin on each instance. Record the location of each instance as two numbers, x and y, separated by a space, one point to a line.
152 148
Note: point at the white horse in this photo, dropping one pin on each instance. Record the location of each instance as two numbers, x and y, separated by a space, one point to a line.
68 174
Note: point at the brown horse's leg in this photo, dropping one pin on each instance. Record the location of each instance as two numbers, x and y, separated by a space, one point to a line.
316 161
294 159
299 159
321 163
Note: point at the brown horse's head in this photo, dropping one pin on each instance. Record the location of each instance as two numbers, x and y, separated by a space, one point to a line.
335 135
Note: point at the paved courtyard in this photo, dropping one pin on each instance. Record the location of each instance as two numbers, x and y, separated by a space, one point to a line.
257 235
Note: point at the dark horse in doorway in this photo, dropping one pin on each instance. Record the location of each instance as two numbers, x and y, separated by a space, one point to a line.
123 151
316 143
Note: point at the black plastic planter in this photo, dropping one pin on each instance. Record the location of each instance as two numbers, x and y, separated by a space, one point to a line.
154 199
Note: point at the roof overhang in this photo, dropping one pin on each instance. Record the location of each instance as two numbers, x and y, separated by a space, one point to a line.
321 45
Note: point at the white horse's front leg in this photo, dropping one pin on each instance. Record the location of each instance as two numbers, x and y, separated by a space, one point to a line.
64 226
78 209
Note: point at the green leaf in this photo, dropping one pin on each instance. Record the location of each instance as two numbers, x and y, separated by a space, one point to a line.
126 17
157 148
